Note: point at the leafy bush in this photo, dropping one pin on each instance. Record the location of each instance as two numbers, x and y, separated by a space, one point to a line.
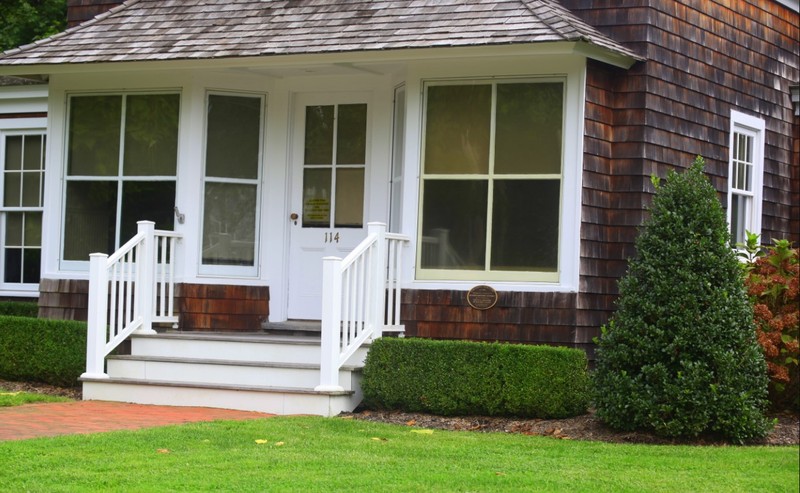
772 275
462 377
19 308
39 350
680 356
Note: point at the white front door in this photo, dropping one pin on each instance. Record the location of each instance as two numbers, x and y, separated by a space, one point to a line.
330 170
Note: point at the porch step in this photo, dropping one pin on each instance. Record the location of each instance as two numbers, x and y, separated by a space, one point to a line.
220 371
253 347
293 327
274 400
249 371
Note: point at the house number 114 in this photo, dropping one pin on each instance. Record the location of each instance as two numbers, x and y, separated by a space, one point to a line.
331 237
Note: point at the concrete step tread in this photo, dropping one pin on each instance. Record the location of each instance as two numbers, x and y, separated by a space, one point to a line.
214 386
207 361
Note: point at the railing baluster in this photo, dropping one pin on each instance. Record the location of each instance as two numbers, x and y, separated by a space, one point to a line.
121 292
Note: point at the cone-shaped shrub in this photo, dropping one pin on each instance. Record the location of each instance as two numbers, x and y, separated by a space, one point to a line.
679 357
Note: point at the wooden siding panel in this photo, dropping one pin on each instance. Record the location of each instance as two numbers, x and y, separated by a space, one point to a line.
703 60
531 318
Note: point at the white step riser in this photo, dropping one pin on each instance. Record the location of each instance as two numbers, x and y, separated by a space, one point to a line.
275 403
234 351
198 372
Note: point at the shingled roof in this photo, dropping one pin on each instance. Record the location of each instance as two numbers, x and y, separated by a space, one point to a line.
148 30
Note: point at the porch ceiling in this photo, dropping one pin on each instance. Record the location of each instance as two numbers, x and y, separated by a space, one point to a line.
171 30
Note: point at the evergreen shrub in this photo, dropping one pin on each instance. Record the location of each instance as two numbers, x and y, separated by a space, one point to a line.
679 356
473 378
41 350
19 308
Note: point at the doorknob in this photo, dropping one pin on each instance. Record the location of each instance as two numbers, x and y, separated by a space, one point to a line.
293 216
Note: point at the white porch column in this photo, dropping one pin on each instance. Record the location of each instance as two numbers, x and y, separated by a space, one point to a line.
331 324
146 275
377 281
97 324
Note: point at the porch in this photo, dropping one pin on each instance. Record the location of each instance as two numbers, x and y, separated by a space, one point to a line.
287 368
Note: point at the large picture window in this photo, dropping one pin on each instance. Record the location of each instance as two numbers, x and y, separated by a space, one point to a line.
21 211
491 181
745 176
232 173
121 165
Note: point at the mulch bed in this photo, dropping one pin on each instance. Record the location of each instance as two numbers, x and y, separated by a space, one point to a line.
585 427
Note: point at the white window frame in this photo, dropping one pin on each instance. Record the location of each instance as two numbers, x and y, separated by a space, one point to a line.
750 127
119 178
495 276
227 271
10 289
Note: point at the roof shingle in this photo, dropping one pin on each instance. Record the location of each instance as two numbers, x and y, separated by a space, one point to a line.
197 29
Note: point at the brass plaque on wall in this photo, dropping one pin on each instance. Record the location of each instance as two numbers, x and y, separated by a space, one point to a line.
482 297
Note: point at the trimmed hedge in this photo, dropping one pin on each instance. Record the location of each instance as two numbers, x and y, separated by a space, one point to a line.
41 350
19 308
473 378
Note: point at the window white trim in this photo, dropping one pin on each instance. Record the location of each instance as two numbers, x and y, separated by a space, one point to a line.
231 271
120 178
541 278
12 127
748 132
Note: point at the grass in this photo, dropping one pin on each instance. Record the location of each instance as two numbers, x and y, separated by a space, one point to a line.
311 454
19 398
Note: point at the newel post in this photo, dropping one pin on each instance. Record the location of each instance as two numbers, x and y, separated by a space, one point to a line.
98 313
146 274
377 281
331 324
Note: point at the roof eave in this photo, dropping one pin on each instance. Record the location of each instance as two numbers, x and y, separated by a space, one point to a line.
613 57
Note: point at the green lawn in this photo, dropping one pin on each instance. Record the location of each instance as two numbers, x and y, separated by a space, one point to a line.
8 398
316 454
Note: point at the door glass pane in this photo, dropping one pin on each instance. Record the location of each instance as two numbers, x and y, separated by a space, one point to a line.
11 189
349 198
233 136
229 224
319 135
528 133
13 153
457 129
14 228
94 127
147 201
317 198
151 134
33 152
31 188
351 135
90 219
454 224
525 221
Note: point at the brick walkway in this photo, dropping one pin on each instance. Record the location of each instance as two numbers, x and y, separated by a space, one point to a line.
66 418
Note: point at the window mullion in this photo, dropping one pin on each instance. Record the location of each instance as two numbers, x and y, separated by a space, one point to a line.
487 265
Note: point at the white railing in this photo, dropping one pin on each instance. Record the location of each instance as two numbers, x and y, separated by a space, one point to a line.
360 298
128 291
